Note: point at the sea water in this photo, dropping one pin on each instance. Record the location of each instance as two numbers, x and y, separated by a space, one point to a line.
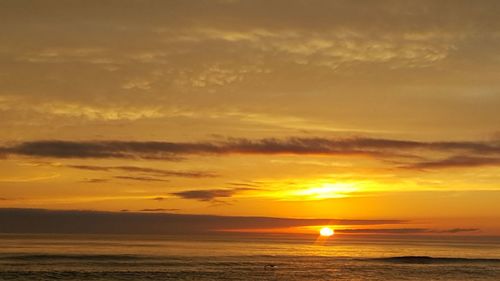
247 257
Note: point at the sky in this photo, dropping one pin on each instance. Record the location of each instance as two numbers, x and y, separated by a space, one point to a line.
384 112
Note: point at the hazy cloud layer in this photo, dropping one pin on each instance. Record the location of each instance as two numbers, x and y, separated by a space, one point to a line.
51 221
152 60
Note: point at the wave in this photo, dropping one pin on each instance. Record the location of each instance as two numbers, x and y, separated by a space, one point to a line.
430 260
30 257
230 259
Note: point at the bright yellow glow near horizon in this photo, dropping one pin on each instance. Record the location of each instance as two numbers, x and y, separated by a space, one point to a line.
326 232
327 191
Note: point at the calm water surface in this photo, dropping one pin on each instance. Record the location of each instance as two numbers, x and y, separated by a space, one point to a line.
244 257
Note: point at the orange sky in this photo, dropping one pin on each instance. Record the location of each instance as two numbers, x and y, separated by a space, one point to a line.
293 109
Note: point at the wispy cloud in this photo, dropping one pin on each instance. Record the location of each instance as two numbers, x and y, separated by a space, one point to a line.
245 184
99 113
29 179
95 180
146 170
144 179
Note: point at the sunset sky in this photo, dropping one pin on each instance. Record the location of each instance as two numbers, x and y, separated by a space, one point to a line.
383 112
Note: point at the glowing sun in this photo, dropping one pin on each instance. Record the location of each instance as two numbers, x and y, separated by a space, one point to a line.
326 231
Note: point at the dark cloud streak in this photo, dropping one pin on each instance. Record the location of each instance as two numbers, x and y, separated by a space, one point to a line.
159 210
209 194
460 154
456 162
294 145
456 230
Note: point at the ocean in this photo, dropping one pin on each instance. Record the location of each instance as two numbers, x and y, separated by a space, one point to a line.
246 257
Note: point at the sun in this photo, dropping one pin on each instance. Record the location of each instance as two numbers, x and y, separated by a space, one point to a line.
326 232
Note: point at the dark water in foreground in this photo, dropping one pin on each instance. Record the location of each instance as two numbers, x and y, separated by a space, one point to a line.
245 258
